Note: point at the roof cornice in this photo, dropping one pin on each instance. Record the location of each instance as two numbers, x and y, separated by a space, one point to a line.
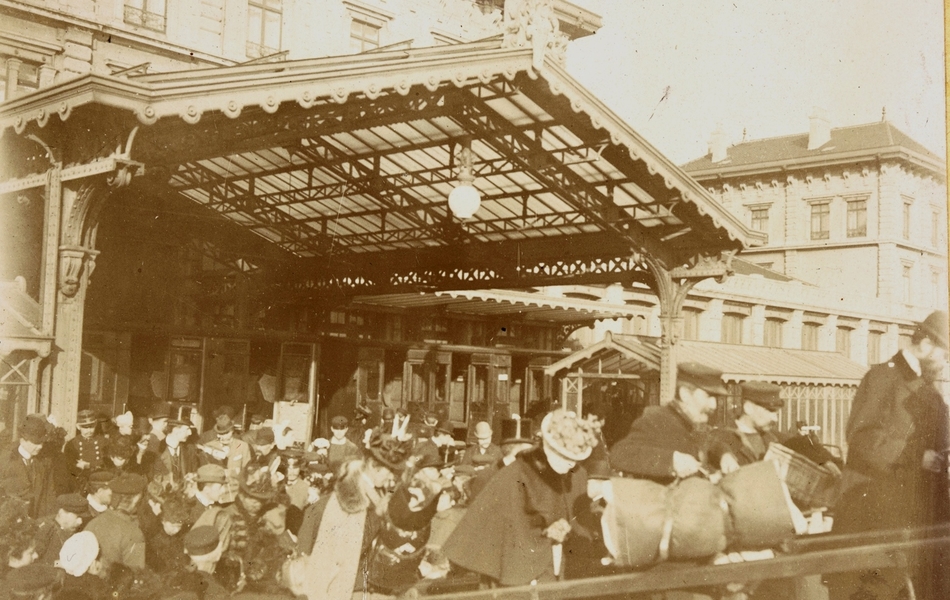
937 168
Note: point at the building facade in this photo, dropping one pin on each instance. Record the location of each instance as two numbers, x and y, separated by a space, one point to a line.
856 219
43 42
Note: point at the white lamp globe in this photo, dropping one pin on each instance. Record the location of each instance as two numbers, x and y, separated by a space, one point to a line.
464 201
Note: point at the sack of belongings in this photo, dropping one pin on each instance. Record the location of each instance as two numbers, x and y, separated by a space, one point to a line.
646 523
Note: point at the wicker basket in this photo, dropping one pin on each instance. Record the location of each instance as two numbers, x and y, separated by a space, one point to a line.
810 485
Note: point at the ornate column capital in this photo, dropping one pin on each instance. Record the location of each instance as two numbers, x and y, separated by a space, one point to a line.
74 262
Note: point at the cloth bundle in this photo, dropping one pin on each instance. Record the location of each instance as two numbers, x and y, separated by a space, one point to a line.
647 523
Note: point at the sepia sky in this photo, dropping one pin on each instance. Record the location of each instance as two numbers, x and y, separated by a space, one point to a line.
673 69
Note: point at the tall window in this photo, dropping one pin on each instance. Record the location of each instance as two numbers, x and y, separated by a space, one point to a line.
690 324
363 36
760 219
843 341
857 218
810 336
874 347
264 22
935 296
145 13
906 222
907 283
732 328
935 228
820 220
21 77
773 333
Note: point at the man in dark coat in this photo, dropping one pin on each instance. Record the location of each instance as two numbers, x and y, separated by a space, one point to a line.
177 459
53 530
85 452
896 473
120 538
669 442
513 531
747 439
24 474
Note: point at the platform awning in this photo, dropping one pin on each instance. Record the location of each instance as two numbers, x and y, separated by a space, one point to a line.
628 354
342 166
529 306
20 323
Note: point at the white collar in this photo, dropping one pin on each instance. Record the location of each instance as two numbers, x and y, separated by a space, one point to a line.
95 504
26 455
741 426
912 361
342 442
204 500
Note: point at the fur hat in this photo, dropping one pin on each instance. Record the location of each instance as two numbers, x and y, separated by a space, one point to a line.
257 483
125 419
390 451
33 430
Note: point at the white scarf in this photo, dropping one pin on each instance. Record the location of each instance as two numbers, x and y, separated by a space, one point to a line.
335 559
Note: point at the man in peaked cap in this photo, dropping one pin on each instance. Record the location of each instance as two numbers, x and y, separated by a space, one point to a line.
896 473
85 452
668 442
120 538
53 530
746 440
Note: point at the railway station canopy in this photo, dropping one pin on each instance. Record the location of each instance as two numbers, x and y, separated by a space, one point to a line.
336 171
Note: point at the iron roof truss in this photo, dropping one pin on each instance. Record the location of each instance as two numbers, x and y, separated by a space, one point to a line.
351 184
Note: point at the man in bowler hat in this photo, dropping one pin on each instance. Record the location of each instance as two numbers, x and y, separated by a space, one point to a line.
896 472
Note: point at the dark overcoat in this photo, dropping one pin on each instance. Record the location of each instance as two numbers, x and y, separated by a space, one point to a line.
896 416
730 440
646 452
33 485
501 535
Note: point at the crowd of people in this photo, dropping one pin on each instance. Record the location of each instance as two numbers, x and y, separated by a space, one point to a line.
150 509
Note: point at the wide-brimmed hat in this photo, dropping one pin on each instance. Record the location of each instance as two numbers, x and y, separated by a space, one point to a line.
256 482
568 435
390 451
223 424
261 437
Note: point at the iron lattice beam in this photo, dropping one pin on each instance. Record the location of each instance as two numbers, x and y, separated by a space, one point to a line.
586 258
